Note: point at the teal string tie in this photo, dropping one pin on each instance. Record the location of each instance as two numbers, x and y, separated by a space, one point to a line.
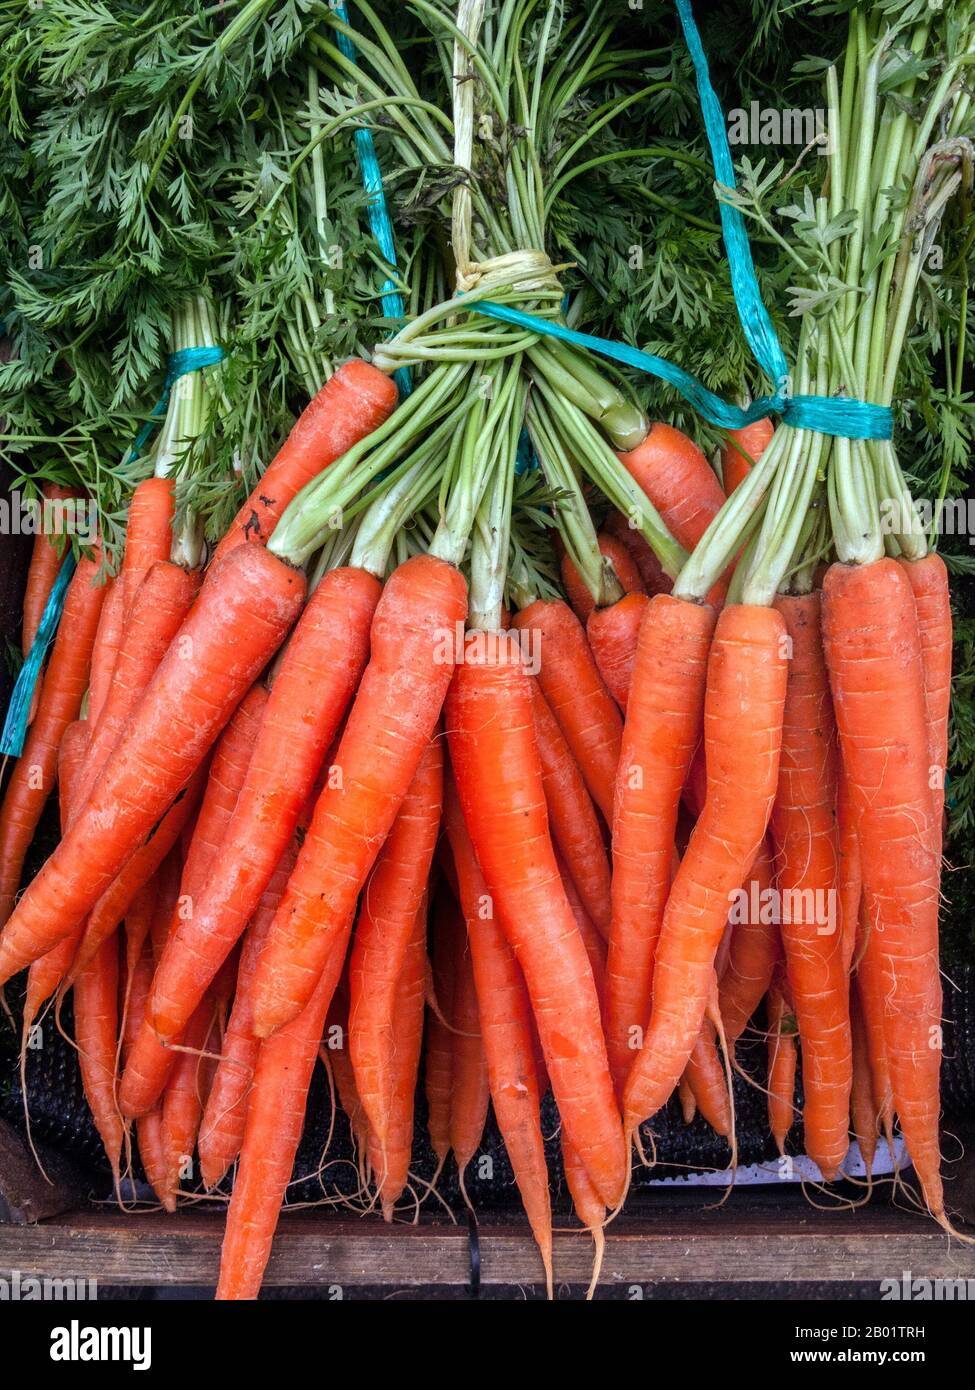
835 415
180 363
15 724
376 209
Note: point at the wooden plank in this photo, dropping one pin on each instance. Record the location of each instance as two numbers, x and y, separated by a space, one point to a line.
323 1250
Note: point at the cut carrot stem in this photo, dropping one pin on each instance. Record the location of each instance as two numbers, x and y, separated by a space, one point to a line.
613 634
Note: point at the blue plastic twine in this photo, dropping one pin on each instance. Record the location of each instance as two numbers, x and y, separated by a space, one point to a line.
837 415
376 209
15 724
180 363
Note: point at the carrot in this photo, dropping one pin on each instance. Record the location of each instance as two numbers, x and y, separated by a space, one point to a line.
755 949
438 1046
663 727
337 1058
45 562
386 925
390 725
104 654
874 655
572 817
868 985
679 481
804 833
507 1034
864 1114
148 533
96 1034
47 972
32 779
621 562
594 943
849 888
470 1092
181 1101
316 680
655 581
275 1117
576 695
588 1205
150 1062
708 1081
498 775
929 582
754 439
239 620
782 1061
222 1126
351 404
149 1132
613 634
154 617
113 904
391 1164
743 733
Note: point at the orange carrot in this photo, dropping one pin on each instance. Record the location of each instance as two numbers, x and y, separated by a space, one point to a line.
804 833
390 725
625 571
679 481
149 1130
438 1047
104 654
708 1081
391 1164
47 973
96 1034
45 562
576 695
153 618
864 1114
572 817
275 1117
743 734
613 634
148 533
496 765
588 1204
594 943
663 727
113 904
782 1060
32 779
929 582
316 680
351 404
222 1126
754 439
150 1062
507 1034
239 620
655 581
755 950
874 655
386 924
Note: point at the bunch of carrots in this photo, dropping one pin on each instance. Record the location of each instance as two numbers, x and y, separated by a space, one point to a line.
382 777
